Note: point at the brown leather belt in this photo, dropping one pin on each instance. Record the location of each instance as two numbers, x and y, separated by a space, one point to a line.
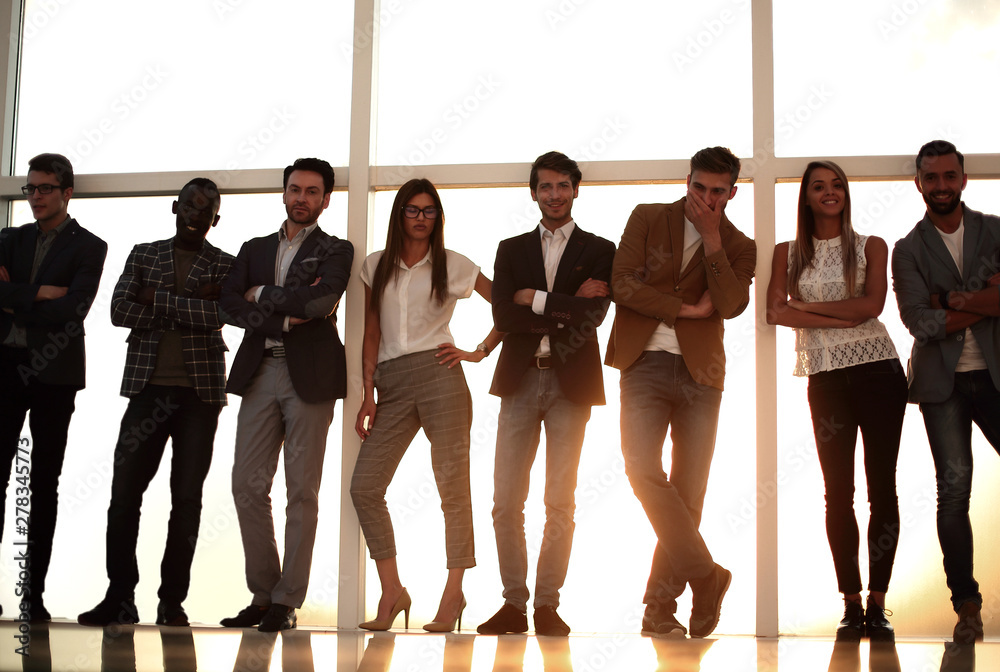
543 362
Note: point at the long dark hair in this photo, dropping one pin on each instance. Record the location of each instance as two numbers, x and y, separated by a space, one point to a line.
388 265
804 251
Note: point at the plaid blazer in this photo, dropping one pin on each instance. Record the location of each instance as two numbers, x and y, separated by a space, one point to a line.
198 320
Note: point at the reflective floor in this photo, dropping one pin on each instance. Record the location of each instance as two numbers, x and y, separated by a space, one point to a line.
67 647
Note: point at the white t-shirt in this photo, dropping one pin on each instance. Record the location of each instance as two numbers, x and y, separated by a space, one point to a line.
972 358
411 318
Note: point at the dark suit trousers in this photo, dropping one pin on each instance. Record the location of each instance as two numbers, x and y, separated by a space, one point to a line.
154 415
49 409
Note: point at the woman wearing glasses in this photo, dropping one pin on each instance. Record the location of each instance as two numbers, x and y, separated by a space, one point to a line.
830 285
411 289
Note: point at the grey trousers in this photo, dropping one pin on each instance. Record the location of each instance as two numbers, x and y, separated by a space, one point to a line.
272 415
415 391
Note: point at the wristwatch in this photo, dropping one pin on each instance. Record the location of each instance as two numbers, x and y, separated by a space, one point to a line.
483 348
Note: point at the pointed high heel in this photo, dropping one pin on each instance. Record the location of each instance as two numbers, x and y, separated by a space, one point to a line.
402 605
447 626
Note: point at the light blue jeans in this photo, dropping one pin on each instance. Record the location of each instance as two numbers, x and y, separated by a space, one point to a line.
658 392
537 401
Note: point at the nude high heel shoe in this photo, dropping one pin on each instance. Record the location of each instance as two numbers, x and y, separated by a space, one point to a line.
402 605
447 626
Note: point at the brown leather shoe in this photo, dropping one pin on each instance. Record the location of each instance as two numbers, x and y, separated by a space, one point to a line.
548 623
969 628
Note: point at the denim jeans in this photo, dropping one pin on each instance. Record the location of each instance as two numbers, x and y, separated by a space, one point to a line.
871 398
157 413
949 433
537 401
657 393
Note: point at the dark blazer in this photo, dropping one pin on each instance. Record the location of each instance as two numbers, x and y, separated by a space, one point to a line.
199 321
923 267
54 328
571 322
314 351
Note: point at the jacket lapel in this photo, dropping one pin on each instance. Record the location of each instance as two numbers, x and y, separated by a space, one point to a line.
198 269
536 263
675 233
165 257
937 248
973 224
61 242
574 248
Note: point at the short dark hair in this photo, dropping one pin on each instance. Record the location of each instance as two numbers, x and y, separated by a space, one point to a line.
315 165
57 164
206 187
936 148
558 162
717 160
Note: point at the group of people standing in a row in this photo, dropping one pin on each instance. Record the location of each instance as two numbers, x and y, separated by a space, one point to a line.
678 272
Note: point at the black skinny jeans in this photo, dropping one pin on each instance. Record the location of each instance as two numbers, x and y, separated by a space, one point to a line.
870 397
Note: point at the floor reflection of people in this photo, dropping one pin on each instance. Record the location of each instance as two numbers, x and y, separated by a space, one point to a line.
555 654
378 653
118 649
256 649
958 657
846 656
458 652
40 658
680 655
178 650
510 654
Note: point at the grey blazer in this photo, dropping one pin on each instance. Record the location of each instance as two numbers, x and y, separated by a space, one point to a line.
922 267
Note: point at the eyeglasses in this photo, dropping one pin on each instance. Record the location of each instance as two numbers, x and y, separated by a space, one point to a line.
412 211
44 189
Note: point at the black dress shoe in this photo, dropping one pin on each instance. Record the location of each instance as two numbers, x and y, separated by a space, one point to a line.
37 613
278 617
659 623
110 611
172 614
506 621
853 623
548 623
706 600
877 626
247 618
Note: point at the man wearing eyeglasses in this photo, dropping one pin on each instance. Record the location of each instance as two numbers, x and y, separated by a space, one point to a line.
283 290
550 293
49 274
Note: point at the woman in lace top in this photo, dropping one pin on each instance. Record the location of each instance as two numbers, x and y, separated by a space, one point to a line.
829 284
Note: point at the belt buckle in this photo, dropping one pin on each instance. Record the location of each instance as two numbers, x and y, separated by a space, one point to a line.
278 351
538 363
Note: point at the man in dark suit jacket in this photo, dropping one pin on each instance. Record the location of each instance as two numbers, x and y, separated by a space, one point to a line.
49 274
550 293
175 380
945 277
283 290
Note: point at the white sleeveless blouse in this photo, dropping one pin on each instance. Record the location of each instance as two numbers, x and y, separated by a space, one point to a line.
827 349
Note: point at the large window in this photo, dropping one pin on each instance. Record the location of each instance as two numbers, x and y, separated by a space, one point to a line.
142 96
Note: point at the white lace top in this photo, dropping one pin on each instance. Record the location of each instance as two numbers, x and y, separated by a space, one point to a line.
827 349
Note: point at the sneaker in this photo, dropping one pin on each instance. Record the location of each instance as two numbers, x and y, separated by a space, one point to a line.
877 626
706 600
506 621
172 614
247 618
548 623
657 623
108 611
852 625
278 617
